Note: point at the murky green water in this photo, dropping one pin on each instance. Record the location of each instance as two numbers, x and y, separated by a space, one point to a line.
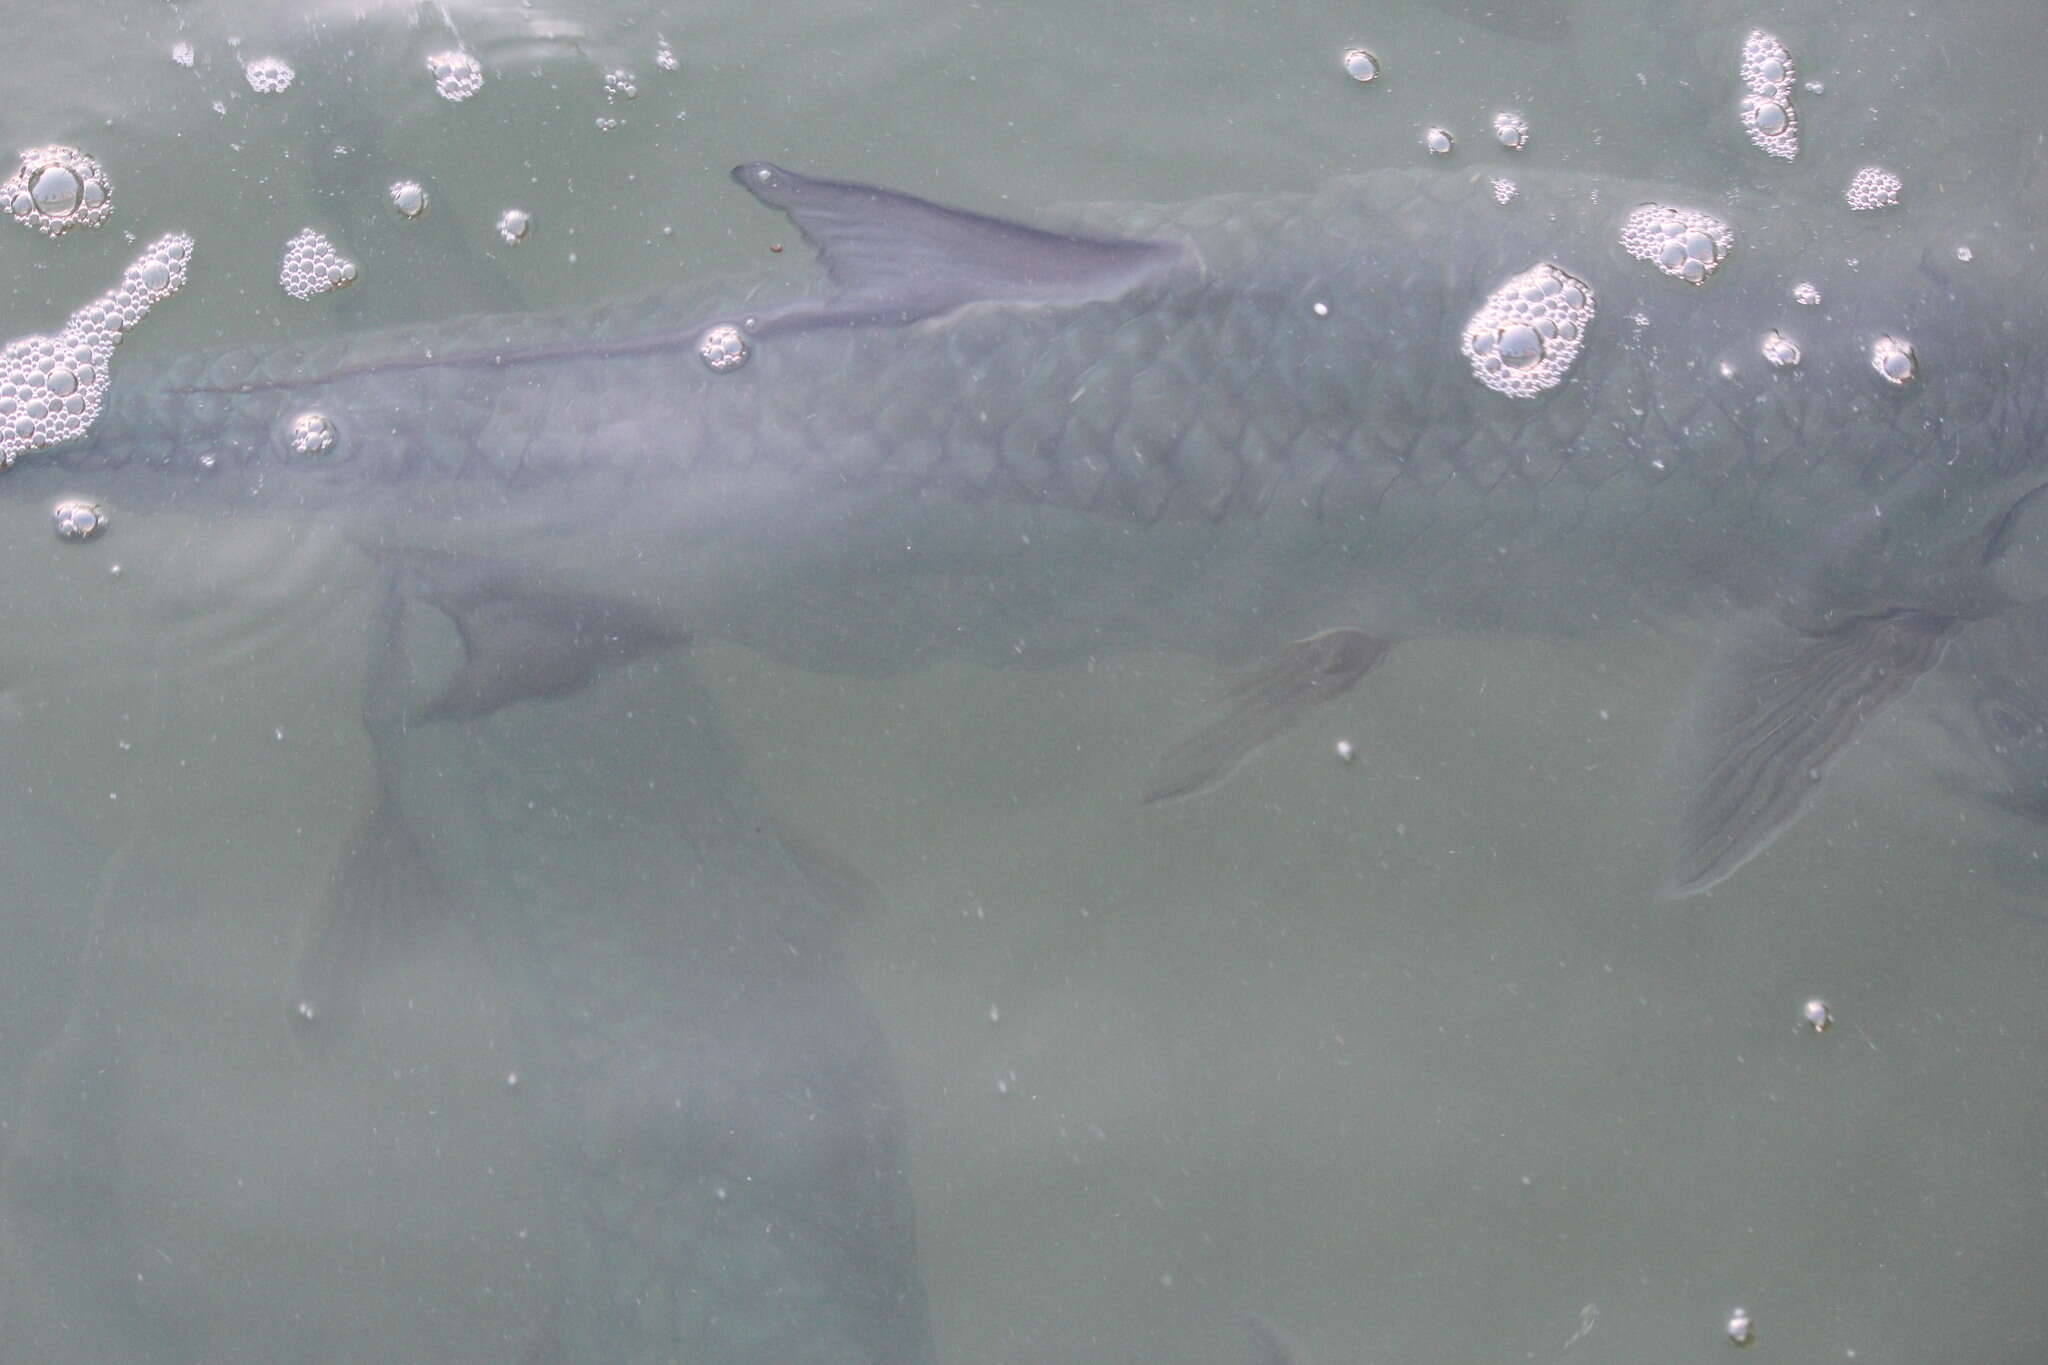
1402 1055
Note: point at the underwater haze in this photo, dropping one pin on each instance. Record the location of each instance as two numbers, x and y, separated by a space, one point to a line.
719 1003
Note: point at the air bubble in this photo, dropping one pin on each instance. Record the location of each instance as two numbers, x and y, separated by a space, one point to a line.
1361 66
619 85
1873 187
665 57
1893 358
311 433
457 75
1686 244
1806 295
1511 130
181 52
78 520
1817 1015
1965 255
269 75
723 348
1741 1330
1439 141
51 387
1780 350
56 189
409 198
312 266
1524 337
1766 110
513 224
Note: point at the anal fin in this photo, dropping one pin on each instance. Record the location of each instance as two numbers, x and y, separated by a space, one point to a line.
1262 704
1775 710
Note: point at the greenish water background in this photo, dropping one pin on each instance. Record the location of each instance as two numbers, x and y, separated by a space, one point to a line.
1401 1055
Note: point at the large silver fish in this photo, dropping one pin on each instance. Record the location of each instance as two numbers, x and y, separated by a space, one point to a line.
1254 428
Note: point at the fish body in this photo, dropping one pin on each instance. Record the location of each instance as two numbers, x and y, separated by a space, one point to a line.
1220 427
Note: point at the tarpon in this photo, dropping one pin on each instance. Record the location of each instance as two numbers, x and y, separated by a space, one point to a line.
1251 428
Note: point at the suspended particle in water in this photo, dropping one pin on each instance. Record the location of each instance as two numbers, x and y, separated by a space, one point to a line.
1893 358
1741 1331
409 197
51 387
78 520
1523 339
1346 751
665 57
457 74
1780 350
312 266
619 85
56 189
1766 109
1873 187
268 75
1504 190
513 225
723 348
1965 255
1817 1015
1511 130
1361 66
1806 295
1686 244
311 433
1439 141
181 52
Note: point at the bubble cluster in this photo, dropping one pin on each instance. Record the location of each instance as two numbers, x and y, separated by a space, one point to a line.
1439 141
268 75
665 56
1767 113
1511 130
1893 358
1806 294
1780 350
1873 187
513 224
1361 66
409 197
310 433
619 85
1527 333
312 266
1504 190
78 520
51 387
457 74
723 348
181 52
57 189
1685 244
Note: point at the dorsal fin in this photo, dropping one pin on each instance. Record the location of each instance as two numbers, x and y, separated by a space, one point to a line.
896 259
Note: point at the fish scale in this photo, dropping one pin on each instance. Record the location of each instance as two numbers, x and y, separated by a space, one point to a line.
1227 427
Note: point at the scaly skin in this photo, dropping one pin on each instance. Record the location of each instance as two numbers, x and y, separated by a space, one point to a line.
1203 462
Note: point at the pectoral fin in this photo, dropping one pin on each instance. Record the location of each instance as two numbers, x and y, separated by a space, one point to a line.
521 642
1775 710
1263 703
